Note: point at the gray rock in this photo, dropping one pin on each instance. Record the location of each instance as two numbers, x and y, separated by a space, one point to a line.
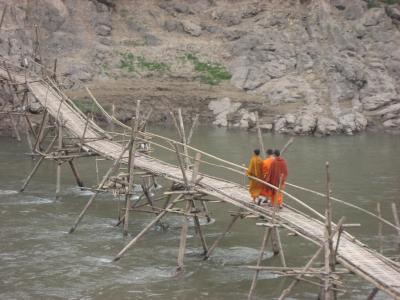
151 40
173 25
327 126
191 28
353 122
306 124
393 12
103 30
280 125
392 124
79 72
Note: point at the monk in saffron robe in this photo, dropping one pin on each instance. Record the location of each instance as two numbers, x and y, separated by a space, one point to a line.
267 191
255 170
278 174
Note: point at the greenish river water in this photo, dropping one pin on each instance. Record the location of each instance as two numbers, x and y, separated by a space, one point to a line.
40 260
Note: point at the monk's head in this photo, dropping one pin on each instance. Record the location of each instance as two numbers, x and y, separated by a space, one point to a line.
269 152
257 151
277 153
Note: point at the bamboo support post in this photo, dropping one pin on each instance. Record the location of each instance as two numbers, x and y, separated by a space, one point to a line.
286 291
182 242
147 228
175 122
38 163
59 162
286 146
131 167
195 217
380 236
259 134
183 139
373 293
93 197
266 236
396 222
75 172
218 240
28 138
329 253
41 131
192 128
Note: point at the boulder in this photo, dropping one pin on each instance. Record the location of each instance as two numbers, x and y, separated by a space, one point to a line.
173 25
353 122
191 28
305 124
221 108
103 30
327 126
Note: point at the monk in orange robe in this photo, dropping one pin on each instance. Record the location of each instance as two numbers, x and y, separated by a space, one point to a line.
255 170
267 191
278 174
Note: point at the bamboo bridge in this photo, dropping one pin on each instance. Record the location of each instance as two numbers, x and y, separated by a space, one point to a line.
76 135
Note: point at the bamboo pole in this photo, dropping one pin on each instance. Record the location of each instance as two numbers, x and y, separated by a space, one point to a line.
373 293
174 121
286 291
380 236
328 258
59 162
194 124
182 242
36 167
93 197
195 217
75 172
396 221
264 243
147 228
286 146
218 240
131 166
41 130
183 139
259 134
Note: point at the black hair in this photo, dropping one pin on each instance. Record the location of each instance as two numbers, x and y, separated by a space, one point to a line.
257 151
270 152
277 153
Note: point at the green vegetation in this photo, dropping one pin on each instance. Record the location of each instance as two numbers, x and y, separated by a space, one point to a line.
130 62
210 73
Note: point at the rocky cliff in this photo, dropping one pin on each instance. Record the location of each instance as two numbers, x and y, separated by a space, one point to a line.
307 66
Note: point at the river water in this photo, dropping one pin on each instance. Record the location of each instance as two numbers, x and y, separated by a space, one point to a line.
40 260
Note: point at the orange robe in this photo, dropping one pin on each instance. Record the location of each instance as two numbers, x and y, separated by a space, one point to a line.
267 191
277 171
255 170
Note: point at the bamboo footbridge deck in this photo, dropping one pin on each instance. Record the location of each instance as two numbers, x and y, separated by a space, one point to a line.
353 255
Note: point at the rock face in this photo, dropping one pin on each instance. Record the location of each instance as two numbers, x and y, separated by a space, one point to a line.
318 67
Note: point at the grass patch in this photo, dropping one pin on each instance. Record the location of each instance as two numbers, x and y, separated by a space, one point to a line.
130 62
210 73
